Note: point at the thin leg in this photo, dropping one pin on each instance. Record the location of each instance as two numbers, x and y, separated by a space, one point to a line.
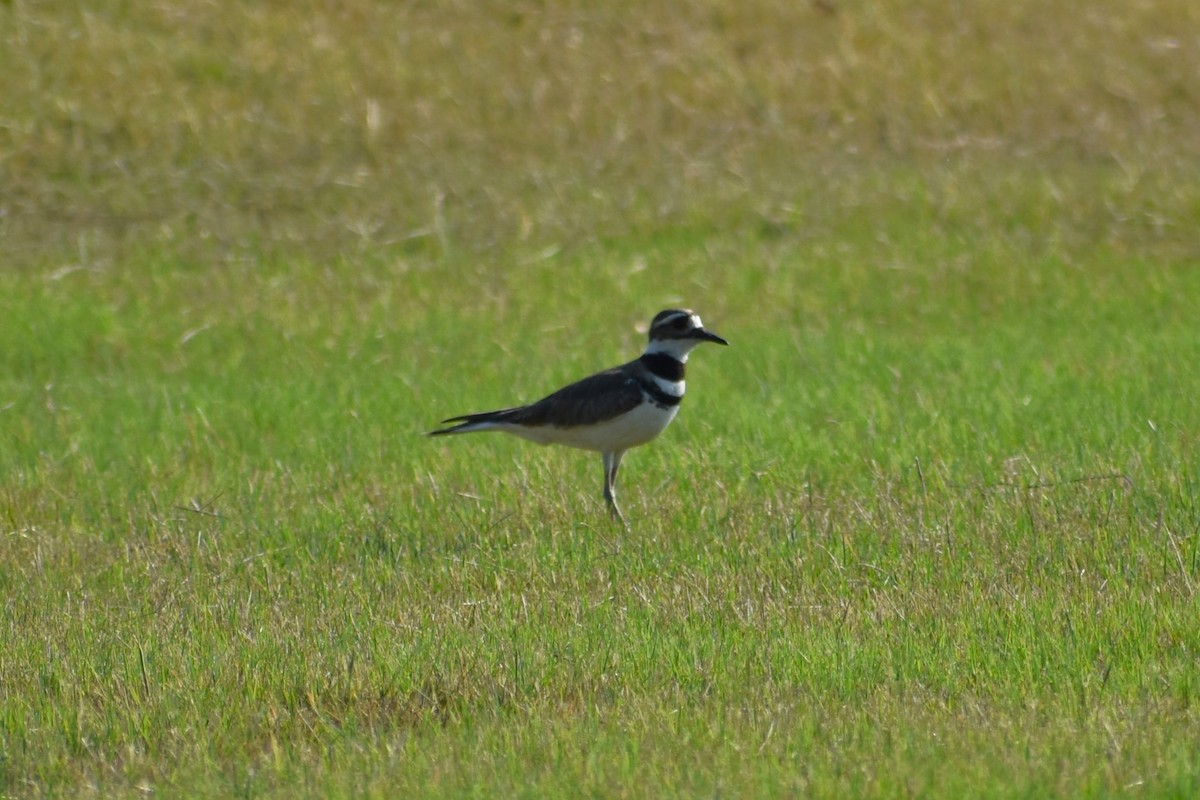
612 462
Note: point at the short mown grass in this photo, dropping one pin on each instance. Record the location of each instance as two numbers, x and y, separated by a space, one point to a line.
928 527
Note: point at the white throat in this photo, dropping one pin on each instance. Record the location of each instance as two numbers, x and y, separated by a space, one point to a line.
676 348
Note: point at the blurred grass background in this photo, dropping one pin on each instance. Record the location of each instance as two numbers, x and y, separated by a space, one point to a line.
209 130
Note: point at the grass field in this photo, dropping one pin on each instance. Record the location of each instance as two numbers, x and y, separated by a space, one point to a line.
929 527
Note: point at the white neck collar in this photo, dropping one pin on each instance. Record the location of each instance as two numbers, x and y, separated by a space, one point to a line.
677 349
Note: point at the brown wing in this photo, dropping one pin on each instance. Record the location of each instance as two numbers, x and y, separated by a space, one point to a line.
596 398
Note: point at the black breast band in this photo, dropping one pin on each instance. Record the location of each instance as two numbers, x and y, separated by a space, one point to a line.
664 366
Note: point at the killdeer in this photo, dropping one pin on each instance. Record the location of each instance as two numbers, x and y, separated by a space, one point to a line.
613 410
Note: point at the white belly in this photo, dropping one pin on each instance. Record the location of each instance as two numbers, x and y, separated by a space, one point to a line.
631 429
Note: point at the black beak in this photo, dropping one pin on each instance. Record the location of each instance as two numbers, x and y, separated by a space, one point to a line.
708 336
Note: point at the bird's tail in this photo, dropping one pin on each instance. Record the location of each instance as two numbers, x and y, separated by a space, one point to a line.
469 423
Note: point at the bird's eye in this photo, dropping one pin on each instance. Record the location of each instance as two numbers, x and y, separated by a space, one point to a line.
682 323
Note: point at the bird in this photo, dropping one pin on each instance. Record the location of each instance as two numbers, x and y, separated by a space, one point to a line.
612 411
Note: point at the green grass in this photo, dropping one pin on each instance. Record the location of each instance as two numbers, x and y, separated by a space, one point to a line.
928 527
